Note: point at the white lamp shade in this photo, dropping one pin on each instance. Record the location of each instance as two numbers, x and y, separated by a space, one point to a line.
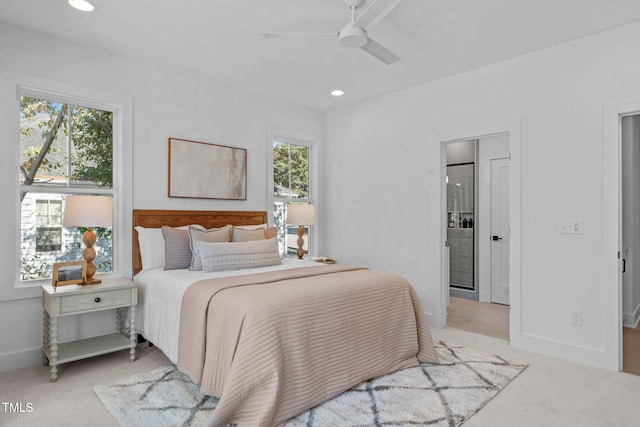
301 214
87 211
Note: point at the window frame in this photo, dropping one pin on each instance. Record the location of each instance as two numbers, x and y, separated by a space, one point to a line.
313 144
121 108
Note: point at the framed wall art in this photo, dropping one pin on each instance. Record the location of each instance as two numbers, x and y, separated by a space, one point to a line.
207 171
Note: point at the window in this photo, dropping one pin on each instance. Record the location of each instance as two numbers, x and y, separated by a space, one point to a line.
65 148
48 225
291 184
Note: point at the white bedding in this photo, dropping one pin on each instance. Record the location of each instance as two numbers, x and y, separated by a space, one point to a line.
159 303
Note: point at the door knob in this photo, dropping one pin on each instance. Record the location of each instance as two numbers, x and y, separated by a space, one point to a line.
496 238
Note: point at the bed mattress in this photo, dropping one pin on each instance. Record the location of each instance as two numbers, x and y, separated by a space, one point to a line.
160 299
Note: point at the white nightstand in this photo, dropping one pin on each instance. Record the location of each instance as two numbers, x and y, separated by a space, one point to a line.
118 293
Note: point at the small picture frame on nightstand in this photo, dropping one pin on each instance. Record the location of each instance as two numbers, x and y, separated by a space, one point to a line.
324 260
69 273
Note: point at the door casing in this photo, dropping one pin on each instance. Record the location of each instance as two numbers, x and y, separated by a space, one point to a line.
612 228
438 316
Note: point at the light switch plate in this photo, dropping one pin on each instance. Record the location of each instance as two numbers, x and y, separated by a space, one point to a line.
571 226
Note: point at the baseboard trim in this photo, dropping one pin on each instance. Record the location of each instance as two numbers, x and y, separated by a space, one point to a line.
631 320
20 359
593 356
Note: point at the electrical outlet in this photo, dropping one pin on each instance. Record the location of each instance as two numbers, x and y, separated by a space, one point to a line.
576 317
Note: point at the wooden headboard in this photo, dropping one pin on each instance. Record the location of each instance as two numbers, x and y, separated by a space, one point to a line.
209 219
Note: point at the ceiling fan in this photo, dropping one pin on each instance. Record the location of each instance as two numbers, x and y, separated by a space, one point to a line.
356 32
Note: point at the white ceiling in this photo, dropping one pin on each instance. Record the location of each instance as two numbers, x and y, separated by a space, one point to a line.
223 38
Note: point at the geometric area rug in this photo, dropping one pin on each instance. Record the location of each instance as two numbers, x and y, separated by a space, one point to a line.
434 394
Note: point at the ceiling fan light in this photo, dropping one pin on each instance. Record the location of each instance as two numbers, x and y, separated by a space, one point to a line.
351 36
337 92
82 5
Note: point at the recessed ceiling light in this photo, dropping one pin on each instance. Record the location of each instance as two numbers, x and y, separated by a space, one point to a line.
337 92
82 5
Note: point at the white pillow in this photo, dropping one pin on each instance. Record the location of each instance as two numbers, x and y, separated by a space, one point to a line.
151 242
239 255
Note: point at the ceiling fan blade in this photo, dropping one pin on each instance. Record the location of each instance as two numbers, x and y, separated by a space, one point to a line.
382 53
296 35
375 13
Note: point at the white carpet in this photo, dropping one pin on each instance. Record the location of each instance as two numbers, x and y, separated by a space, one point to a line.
432 394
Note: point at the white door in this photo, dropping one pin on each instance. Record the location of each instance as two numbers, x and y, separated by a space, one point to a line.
500 231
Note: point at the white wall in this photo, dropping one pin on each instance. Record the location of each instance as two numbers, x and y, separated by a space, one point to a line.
387 220
557 97
167 102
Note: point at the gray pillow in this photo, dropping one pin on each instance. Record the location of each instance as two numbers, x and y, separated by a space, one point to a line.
196 235
177 250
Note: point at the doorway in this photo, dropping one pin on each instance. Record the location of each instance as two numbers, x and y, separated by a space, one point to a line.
630 242
478 234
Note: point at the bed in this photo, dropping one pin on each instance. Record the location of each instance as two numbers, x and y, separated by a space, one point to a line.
272 342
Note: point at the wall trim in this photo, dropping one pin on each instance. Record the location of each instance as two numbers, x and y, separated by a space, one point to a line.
630 320
563 350
20 359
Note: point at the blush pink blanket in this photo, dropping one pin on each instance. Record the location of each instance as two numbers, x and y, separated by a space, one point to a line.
272 345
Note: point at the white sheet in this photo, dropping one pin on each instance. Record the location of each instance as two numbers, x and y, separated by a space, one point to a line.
160 299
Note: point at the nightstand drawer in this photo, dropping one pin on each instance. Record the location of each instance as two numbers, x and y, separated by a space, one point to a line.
95 301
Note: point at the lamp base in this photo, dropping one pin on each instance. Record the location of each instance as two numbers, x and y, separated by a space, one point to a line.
300 251
89 254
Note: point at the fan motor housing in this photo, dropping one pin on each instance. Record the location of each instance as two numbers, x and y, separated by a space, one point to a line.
354 3
352 36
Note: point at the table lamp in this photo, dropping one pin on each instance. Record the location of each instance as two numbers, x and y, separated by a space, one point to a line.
88 211
300 214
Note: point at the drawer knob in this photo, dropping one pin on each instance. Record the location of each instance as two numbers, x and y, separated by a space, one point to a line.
97 299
